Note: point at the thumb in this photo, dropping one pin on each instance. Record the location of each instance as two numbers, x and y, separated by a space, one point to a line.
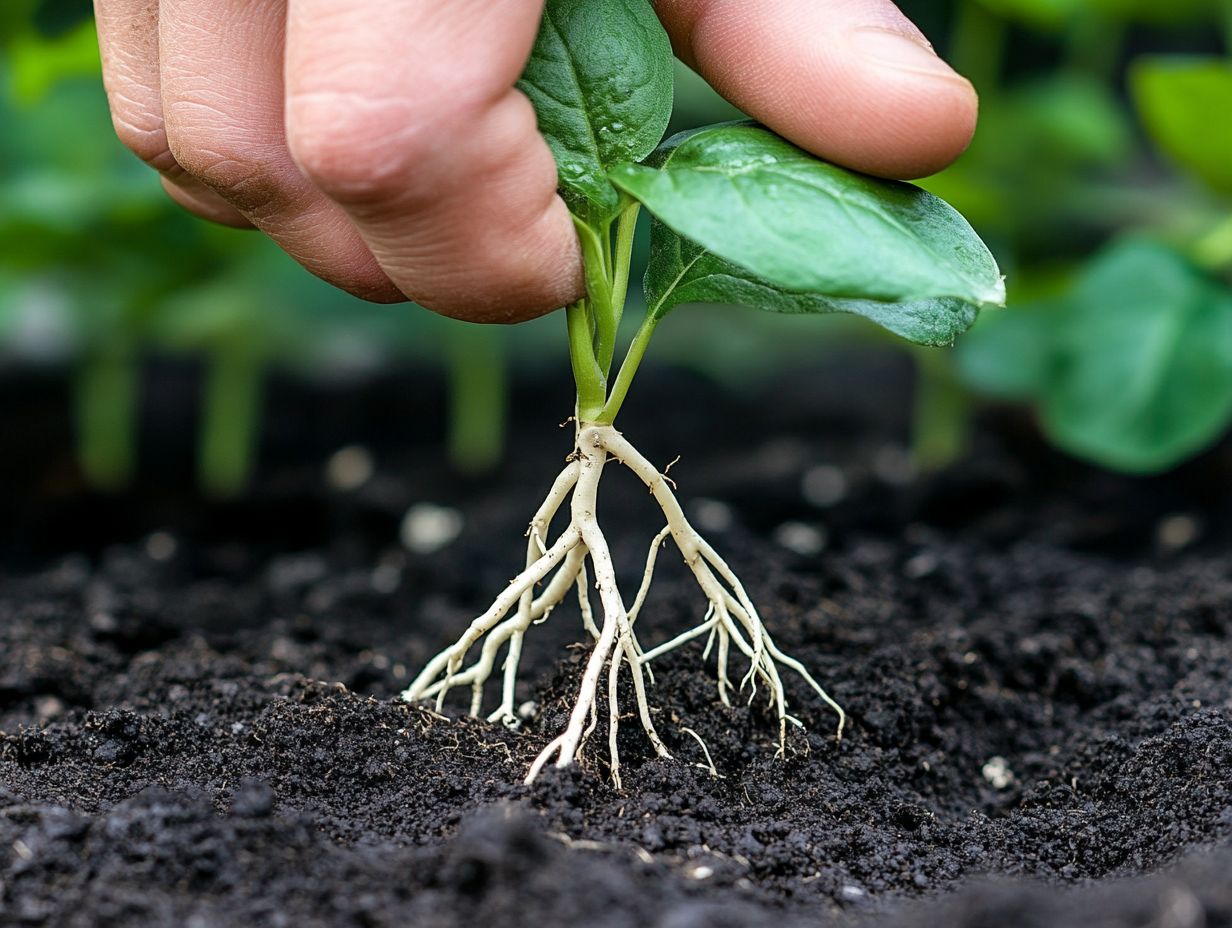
853 81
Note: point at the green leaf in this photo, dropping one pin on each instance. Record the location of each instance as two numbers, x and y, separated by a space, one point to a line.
39 63
1008 356
1074 118
600 77
1184 103
803 225
681 271
1142 370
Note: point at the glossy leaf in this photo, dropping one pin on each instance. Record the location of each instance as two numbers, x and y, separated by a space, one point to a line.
1142 371
803 225
683 272
1185 104
600 78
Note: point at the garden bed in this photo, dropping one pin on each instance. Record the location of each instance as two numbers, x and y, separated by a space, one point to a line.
200 723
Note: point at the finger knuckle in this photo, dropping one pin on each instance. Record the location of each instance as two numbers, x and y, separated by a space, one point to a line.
240 172
358 148
146 138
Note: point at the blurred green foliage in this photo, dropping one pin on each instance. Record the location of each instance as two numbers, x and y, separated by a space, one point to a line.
1138 387
1119 328
1101 174
1184 104
100 270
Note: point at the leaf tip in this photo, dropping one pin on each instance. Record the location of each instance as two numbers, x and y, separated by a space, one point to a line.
995 295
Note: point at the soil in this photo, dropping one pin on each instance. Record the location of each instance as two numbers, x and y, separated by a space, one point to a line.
199 723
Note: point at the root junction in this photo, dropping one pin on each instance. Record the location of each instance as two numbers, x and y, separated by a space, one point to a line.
731 619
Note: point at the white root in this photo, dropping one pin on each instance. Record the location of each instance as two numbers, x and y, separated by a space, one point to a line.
451 659
709 764
648 573
535 548
731 619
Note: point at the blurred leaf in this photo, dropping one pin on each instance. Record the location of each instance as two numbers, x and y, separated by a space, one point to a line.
238 308
1141 375
54 17
1155 11
38 63
1185 103
1077 118
1052 14
1045 13
697 103
16 17
1033 157
1008 355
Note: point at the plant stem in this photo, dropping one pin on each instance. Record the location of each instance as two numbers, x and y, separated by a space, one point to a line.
230 412
626 228
591 383
620 387
942 412
596 252
594 321
106 389
977 45
1093 45
477 386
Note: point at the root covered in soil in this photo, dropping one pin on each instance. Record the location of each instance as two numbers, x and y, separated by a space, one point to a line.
730 619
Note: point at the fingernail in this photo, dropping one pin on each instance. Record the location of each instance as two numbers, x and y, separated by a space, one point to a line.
898 50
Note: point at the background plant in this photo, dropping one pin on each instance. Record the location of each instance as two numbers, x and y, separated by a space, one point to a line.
1119 334
1087 134
100 272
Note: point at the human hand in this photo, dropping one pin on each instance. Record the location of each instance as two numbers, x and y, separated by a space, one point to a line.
384 146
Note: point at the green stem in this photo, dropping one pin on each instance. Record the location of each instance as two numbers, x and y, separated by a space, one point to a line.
605 240
106 394
942 413
230 412
626 228
620 387
977 45
477 387
591 385
593 322
1093 45
596 249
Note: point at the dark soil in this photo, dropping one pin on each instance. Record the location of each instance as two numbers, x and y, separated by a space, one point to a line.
200 727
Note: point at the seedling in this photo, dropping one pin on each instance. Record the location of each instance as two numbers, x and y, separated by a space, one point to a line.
740 216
